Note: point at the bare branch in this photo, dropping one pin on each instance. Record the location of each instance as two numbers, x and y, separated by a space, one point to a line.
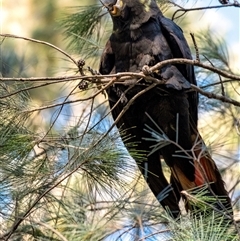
41 79
185 10
195 63
121 78
195 46
211 95
40 42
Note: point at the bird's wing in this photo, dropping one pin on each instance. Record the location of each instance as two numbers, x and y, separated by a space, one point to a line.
180 49
206 170
107 61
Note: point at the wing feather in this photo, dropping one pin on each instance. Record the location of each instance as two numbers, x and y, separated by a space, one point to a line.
180 49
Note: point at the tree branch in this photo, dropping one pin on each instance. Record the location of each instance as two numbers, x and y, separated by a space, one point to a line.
185 10
124 77
40 42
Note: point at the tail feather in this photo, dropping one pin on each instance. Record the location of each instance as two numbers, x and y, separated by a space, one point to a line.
181 178
206 173
206 170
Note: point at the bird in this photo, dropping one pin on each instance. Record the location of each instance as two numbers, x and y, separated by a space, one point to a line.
224 1
141 38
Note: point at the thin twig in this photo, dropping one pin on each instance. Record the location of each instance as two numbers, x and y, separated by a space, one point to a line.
211 95
185 10
41 42
195 46
220 78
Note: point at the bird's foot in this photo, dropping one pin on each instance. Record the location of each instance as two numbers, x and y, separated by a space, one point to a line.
146 70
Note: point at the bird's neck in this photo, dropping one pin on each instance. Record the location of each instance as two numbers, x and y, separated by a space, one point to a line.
120 25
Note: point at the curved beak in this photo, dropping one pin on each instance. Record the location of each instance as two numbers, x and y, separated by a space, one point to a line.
114 6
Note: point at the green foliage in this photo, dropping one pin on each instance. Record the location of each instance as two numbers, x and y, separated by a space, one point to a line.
85 29
78 183
213 49
102 161
209 227
16 140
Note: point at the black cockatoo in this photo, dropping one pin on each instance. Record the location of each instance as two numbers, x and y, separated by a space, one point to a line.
143 36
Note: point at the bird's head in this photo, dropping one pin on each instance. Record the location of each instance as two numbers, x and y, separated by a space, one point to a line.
136 12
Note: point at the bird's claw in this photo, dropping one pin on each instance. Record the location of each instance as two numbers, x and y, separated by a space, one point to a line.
146 70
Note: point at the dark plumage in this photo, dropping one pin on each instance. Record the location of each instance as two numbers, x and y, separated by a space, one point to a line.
143 36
